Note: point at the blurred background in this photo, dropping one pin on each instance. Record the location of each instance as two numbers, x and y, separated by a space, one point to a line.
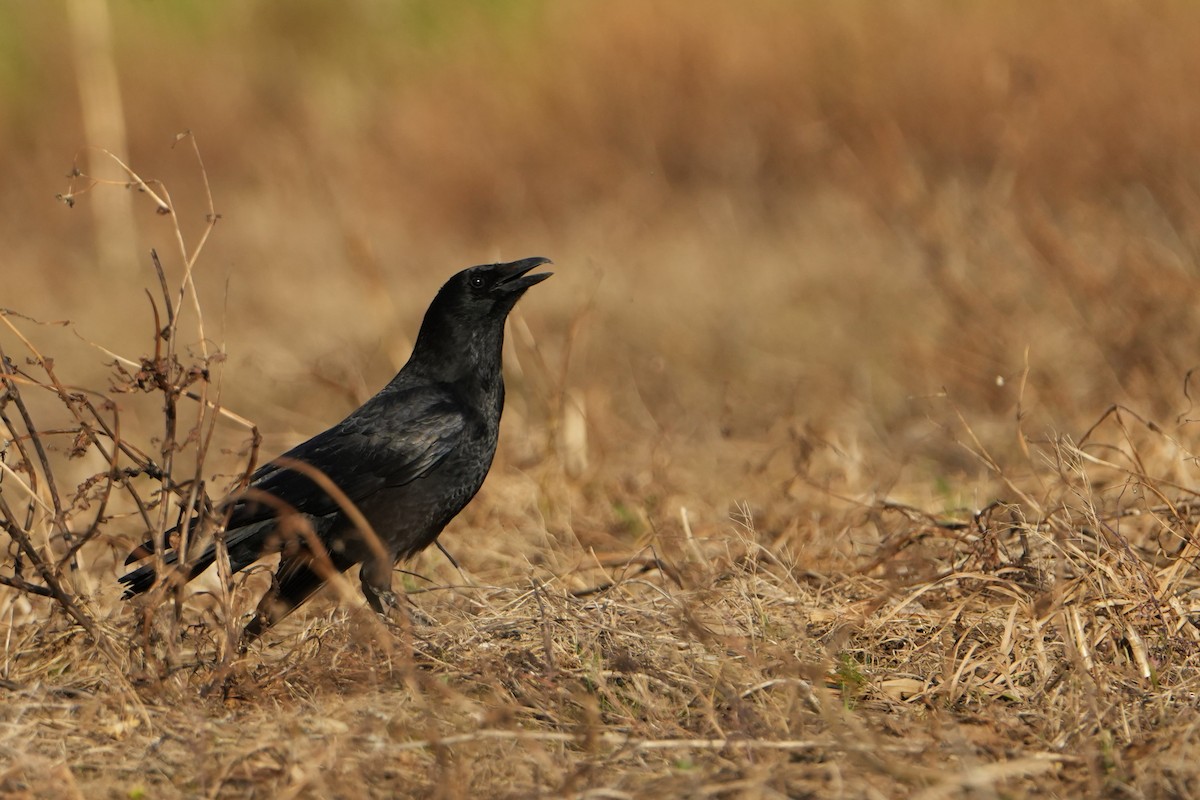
801 247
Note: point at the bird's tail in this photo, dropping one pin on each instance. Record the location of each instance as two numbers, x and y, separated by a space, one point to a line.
142 578
245 546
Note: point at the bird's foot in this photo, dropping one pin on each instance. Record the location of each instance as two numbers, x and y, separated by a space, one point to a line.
399 610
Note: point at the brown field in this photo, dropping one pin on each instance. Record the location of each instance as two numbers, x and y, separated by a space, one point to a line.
847 454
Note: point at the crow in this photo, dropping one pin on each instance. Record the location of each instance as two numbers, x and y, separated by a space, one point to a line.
379 486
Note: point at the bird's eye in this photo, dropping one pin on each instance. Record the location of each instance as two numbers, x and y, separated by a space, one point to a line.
477 281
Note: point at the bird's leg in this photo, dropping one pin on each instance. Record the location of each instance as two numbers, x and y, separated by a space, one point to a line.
446 553
254 629
279 600
296 579
376 579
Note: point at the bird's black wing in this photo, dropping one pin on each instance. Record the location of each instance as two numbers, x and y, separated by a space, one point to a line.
397 437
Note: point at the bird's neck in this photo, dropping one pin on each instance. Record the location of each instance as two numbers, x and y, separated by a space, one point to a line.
472 360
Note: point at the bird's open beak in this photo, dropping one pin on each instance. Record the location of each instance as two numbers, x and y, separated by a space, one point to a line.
515 278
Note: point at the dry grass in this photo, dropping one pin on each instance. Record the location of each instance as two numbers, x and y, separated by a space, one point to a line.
848 454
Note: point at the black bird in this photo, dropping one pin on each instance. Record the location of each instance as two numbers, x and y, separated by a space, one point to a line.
409 459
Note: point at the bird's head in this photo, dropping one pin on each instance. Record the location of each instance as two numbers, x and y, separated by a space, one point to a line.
488 292
502 284
467 316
